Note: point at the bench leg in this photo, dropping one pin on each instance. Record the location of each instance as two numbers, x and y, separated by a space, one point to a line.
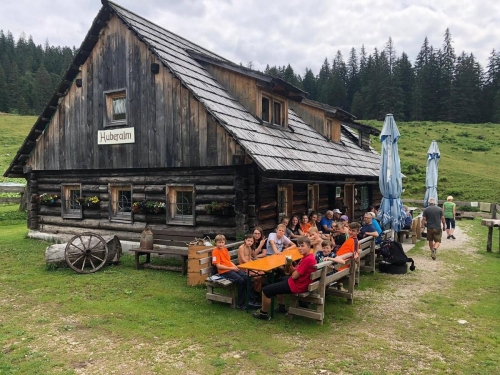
137 260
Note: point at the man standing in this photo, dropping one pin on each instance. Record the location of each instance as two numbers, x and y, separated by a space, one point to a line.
434 219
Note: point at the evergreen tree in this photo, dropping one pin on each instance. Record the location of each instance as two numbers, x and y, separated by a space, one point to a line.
403 71
322 81
43 89
496 108
467 88
447 69
353 79
309 84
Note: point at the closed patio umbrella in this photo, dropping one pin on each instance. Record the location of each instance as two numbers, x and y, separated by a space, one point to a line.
431 175
391 213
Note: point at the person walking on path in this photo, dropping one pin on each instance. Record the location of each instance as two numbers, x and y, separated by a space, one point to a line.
449 210
433 217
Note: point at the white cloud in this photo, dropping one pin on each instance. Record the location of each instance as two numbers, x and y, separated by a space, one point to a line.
278 32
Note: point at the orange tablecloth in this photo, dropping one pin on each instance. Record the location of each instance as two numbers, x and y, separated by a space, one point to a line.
271 262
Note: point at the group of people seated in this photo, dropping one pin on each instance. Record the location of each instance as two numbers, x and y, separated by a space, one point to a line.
318 238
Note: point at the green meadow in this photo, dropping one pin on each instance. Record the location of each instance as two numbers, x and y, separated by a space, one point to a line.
440 319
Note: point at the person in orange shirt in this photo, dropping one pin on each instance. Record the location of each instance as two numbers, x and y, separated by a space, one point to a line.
227 269
304 225
351 245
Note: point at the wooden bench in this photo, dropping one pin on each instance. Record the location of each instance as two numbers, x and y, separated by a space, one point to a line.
166 242
323 284
216 286
367 257
415 231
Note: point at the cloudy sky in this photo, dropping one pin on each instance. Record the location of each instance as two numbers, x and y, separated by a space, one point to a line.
277 32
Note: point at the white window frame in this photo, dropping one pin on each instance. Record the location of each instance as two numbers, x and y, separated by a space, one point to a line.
173 214
109 97
312 197
284 208
70 207
120 205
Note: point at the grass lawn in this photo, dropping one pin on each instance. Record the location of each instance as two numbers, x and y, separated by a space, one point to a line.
124 321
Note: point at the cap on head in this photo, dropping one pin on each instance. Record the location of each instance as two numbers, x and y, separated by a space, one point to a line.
344 218
336 211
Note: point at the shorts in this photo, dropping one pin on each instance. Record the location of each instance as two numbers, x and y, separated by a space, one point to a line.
450 223
434 234
279 287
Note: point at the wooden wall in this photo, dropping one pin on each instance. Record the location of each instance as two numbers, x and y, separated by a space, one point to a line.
172 129
315 117
218 184
242 88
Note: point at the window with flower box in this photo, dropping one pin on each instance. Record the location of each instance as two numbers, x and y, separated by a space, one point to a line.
120 202
70 201
181 204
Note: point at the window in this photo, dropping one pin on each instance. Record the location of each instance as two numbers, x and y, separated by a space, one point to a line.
338 191
277 113
120 204
273 110
181 204
312 198
285 201
329 129
333 129
116 108
265 109
364 198
70 201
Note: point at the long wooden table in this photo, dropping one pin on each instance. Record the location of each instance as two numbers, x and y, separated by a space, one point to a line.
268 264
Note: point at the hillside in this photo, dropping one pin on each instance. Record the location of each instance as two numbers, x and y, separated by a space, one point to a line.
469 168
13 131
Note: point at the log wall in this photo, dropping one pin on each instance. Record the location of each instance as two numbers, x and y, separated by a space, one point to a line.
219 184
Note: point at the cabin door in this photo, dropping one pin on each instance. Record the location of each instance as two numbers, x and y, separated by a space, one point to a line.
349 201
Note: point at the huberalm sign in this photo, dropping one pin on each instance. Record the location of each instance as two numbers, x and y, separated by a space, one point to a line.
115 136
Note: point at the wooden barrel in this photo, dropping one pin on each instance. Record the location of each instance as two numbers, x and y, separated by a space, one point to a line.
194 277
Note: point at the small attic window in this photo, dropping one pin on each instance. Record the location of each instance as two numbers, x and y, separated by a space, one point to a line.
333 129
273 110
266 102
116 108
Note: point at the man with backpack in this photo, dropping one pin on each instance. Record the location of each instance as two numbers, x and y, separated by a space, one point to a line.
434 219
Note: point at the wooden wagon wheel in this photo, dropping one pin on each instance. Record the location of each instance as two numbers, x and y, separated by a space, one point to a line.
86 253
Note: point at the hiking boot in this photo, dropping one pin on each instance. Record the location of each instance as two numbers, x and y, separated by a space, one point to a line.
448 237
433 254
260 315
452 236
281 309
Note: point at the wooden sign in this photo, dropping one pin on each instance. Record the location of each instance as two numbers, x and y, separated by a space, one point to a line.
115 136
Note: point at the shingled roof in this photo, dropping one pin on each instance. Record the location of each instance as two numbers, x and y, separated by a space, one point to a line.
298 148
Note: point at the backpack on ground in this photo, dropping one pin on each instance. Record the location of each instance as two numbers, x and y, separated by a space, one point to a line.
394 260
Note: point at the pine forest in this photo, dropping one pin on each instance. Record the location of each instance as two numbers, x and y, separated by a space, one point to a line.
440 85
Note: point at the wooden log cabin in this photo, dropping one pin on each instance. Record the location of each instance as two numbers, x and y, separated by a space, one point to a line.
145 115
